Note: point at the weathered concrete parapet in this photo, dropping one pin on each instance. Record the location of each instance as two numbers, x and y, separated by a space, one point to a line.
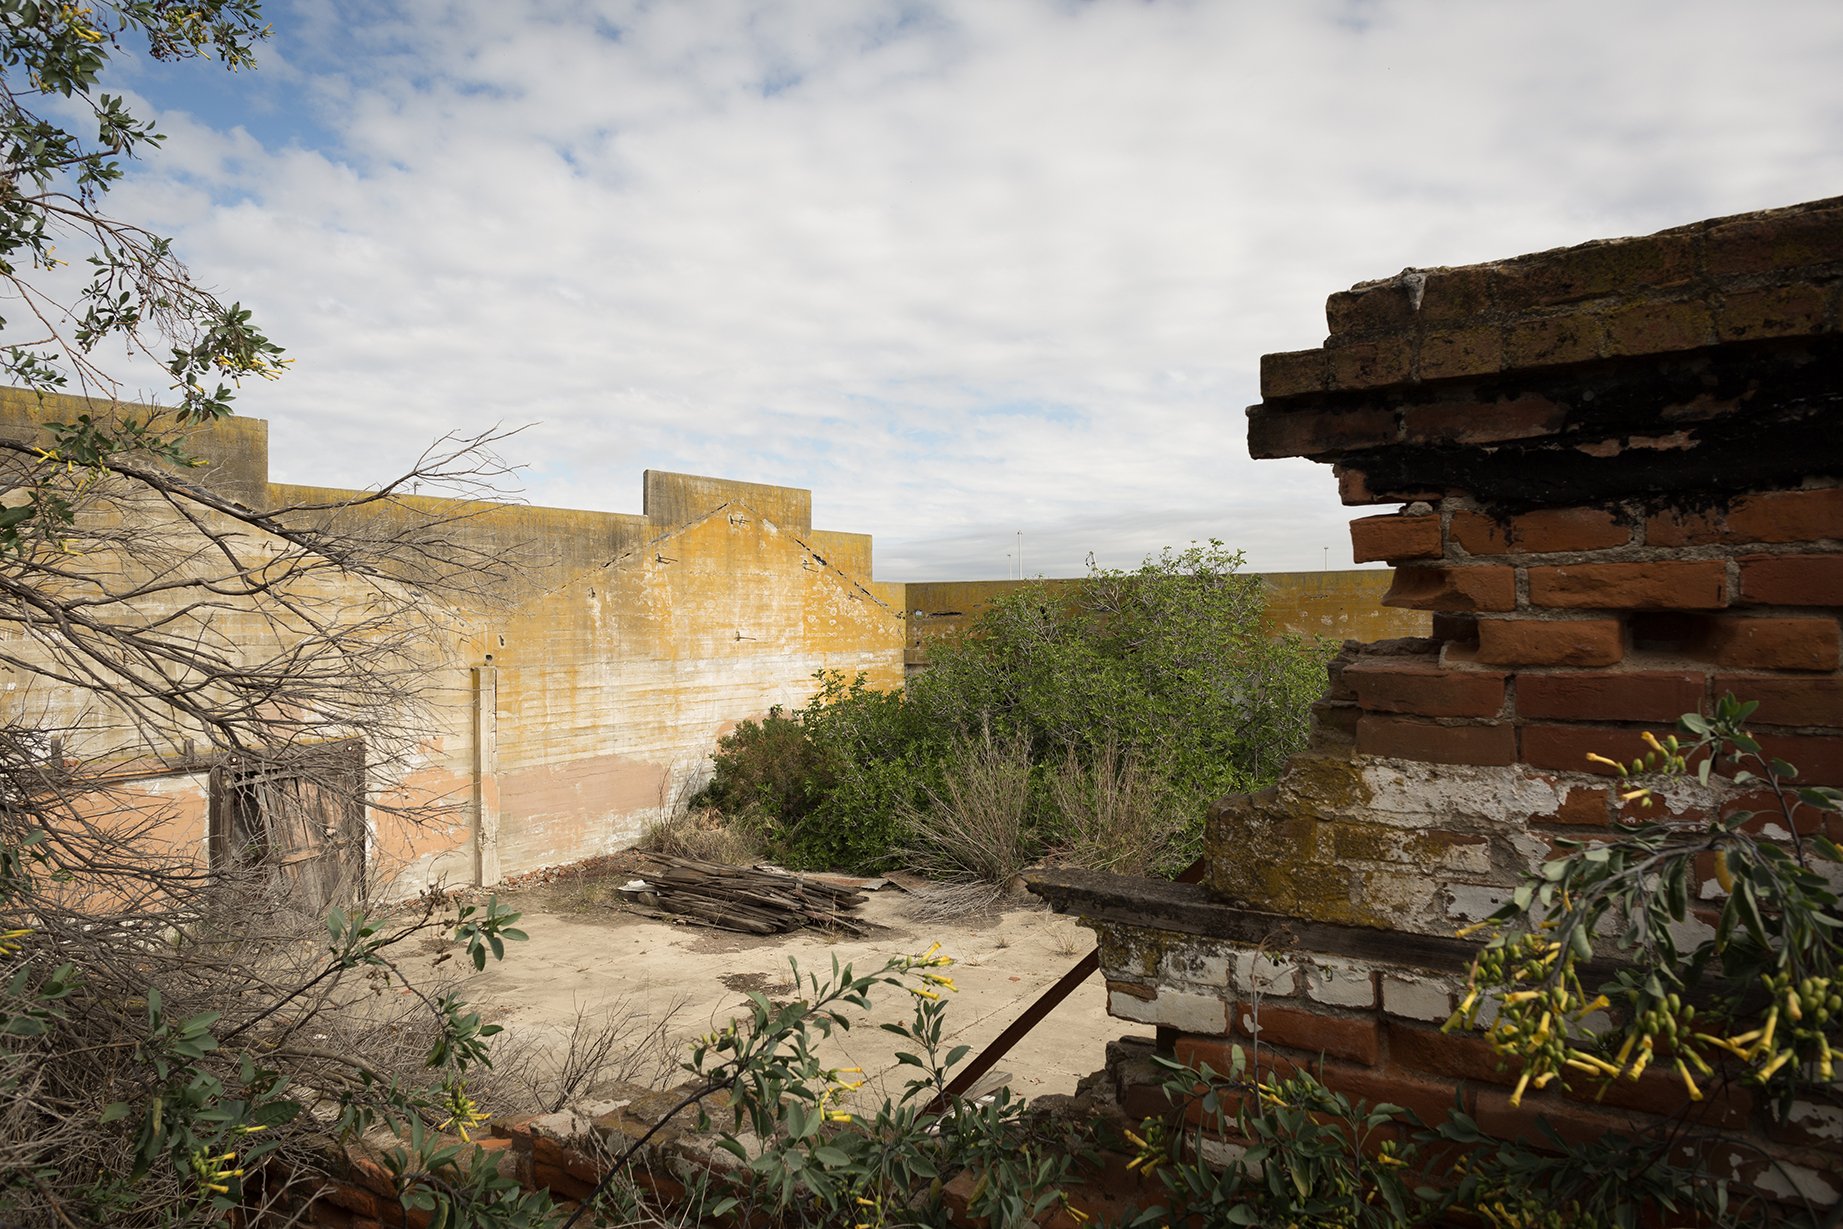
1622 479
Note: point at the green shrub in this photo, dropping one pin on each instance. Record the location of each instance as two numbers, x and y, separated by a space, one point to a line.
769 770
1161 688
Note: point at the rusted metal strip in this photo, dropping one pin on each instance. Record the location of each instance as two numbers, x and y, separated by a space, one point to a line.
1046 1003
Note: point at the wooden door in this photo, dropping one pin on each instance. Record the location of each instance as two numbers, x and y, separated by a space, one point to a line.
294 824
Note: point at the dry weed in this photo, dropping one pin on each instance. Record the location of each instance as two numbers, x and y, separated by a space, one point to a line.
1119 813
974 832
614 1041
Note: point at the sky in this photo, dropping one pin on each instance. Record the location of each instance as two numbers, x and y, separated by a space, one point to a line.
967 269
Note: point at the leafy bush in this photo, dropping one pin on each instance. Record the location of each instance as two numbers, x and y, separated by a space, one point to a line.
1312 1157
1160 688
1171 659
807 1157
771 770
1761 988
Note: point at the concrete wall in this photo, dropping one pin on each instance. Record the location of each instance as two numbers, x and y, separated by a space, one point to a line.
1345 605
613 688
560 709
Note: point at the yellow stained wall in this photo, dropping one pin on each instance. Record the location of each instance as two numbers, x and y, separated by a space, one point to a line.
1345 605
613 689
567 707
563 708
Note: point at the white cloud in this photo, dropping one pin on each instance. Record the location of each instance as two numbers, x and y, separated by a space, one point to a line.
962 268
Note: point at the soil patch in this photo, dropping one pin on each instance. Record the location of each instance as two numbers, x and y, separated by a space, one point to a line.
587 951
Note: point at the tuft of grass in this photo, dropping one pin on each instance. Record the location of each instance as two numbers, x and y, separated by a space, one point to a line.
701 833
1118 813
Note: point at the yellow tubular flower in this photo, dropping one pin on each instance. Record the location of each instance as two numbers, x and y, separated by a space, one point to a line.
1516 1096
1766 1073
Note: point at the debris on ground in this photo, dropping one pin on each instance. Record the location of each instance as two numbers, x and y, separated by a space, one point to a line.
754 900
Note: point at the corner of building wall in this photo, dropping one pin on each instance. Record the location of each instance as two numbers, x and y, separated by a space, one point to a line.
671 500
235 450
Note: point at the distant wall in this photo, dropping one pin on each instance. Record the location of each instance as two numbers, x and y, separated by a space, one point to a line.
1343 605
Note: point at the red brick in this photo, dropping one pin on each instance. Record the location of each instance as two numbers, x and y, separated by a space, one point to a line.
1424 687
558 1182
1818 757
1219 1054
1661 585
1465 587
1369 364
1576 1124
1774 643
1431 1099
1456 296
1776 311
1489 422
355 1199
1660 1091
1393 536
1659 327
1351 1037
1549 341
1626 695
1776 243
1596 270
1550 642
1788 516
1479 534
1678 527
1310 432
1452 353
1456 1056
1768 814
1566 747
1787 701
1334 724
1383 307
1293 372
1353 487
1567 529
1459 630
1792 580
1580 808
1404 738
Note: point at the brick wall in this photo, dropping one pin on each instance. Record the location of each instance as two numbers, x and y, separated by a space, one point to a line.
1617 472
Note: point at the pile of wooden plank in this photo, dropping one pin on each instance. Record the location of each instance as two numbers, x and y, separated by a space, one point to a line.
750 899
